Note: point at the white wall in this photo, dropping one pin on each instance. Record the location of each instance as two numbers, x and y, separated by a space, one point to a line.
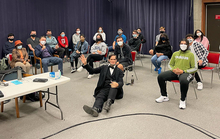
197 14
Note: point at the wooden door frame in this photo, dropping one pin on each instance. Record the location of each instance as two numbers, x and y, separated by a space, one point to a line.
204 2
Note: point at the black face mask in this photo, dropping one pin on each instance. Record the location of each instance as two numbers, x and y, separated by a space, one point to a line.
11 39
161 31
98 40
163 38
34 35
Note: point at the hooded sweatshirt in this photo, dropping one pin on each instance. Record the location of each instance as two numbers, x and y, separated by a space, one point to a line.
185 61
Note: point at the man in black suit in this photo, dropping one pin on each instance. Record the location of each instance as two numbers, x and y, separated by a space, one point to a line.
109 86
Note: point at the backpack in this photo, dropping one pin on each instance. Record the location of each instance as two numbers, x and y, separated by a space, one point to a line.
3 64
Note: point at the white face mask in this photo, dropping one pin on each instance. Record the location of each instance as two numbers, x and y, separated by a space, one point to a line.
183 47
43 42
190 40
120 43
78 32
119 32
199 34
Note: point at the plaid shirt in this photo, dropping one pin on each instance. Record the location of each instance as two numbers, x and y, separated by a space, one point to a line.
201 52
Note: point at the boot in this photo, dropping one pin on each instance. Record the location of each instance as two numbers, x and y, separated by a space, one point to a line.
108 105
92 111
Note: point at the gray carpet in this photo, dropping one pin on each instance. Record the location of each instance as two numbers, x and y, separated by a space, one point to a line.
35 122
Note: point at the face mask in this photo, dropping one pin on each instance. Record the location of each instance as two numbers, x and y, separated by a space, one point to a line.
11 39
100 30
63 35
199 34
183 47
98 39
49 34
190 40
43 42
161 31
119 32
120 43
134 35
33 35
19 47
163 38
78 32
139 32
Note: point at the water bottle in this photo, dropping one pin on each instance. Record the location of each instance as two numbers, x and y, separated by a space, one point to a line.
19 74
132 79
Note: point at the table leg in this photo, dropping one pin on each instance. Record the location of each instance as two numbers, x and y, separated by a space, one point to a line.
24 98
40 96
16 106
2 106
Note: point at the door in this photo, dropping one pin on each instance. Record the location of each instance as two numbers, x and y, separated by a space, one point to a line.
213 26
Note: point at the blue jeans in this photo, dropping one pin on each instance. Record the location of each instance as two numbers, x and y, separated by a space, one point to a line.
157 60
55 61
110 49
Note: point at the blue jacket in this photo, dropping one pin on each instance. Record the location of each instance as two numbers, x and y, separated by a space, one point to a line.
38 50
84 47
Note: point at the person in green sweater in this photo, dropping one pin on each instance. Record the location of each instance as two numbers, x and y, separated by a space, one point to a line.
182 65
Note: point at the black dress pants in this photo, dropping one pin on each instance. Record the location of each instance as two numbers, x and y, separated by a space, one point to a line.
104 95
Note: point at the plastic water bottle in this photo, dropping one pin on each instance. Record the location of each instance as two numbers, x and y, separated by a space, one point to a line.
132 79
19 74
57 75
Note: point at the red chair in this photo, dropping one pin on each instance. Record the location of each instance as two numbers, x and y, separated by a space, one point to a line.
139 53
133 55
214 59
177 81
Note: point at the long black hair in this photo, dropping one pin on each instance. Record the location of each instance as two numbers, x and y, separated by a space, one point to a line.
195 35
166 39
100 38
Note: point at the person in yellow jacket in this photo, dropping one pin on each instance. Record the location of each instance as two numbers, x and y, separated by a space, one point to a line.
182 65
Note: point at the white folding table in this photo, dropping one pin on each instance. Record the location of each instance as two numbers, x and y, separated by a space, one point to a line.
28 86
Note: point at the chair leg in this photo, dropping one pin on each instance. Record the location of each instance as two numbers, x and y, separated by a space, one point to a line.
141 60
151 67
35 70
212 79
126 75
194 87
135 74
2 106
174 88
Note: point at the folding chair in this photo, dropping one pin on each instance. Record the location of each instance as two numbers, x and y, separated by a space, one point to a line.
214 59
177 81
133 55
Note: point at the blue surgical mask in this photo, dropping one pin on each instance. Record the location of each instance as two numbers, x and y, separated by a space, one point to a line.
100 30
19 47
63 35
134 35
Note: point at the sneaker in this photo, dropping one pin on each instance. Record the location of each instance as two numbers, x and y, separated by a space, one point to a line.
162 99
182 104
91 111
200 85
155 69
80 69
73 70
159 70
90 76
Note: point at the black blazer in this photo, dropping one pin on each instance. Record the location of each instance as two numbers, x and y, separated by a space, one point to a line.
103 72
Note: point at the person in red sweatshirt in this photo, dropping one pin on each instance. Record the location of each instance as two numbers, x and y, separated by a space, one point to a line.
63 43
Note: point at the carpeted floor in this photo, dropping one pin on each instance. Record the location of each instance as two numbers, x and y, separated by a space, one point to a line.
136 116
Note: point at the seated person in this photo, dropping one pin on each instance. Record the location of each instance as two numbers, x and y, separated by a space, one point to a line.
182 65
134 42
162 30
100 31
161 51
52 42
201 53
123 54
141 37
20 57
80 48
45 52
9 45
76 37
32 42
120 33
109 86
201 38
63 43
98 51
